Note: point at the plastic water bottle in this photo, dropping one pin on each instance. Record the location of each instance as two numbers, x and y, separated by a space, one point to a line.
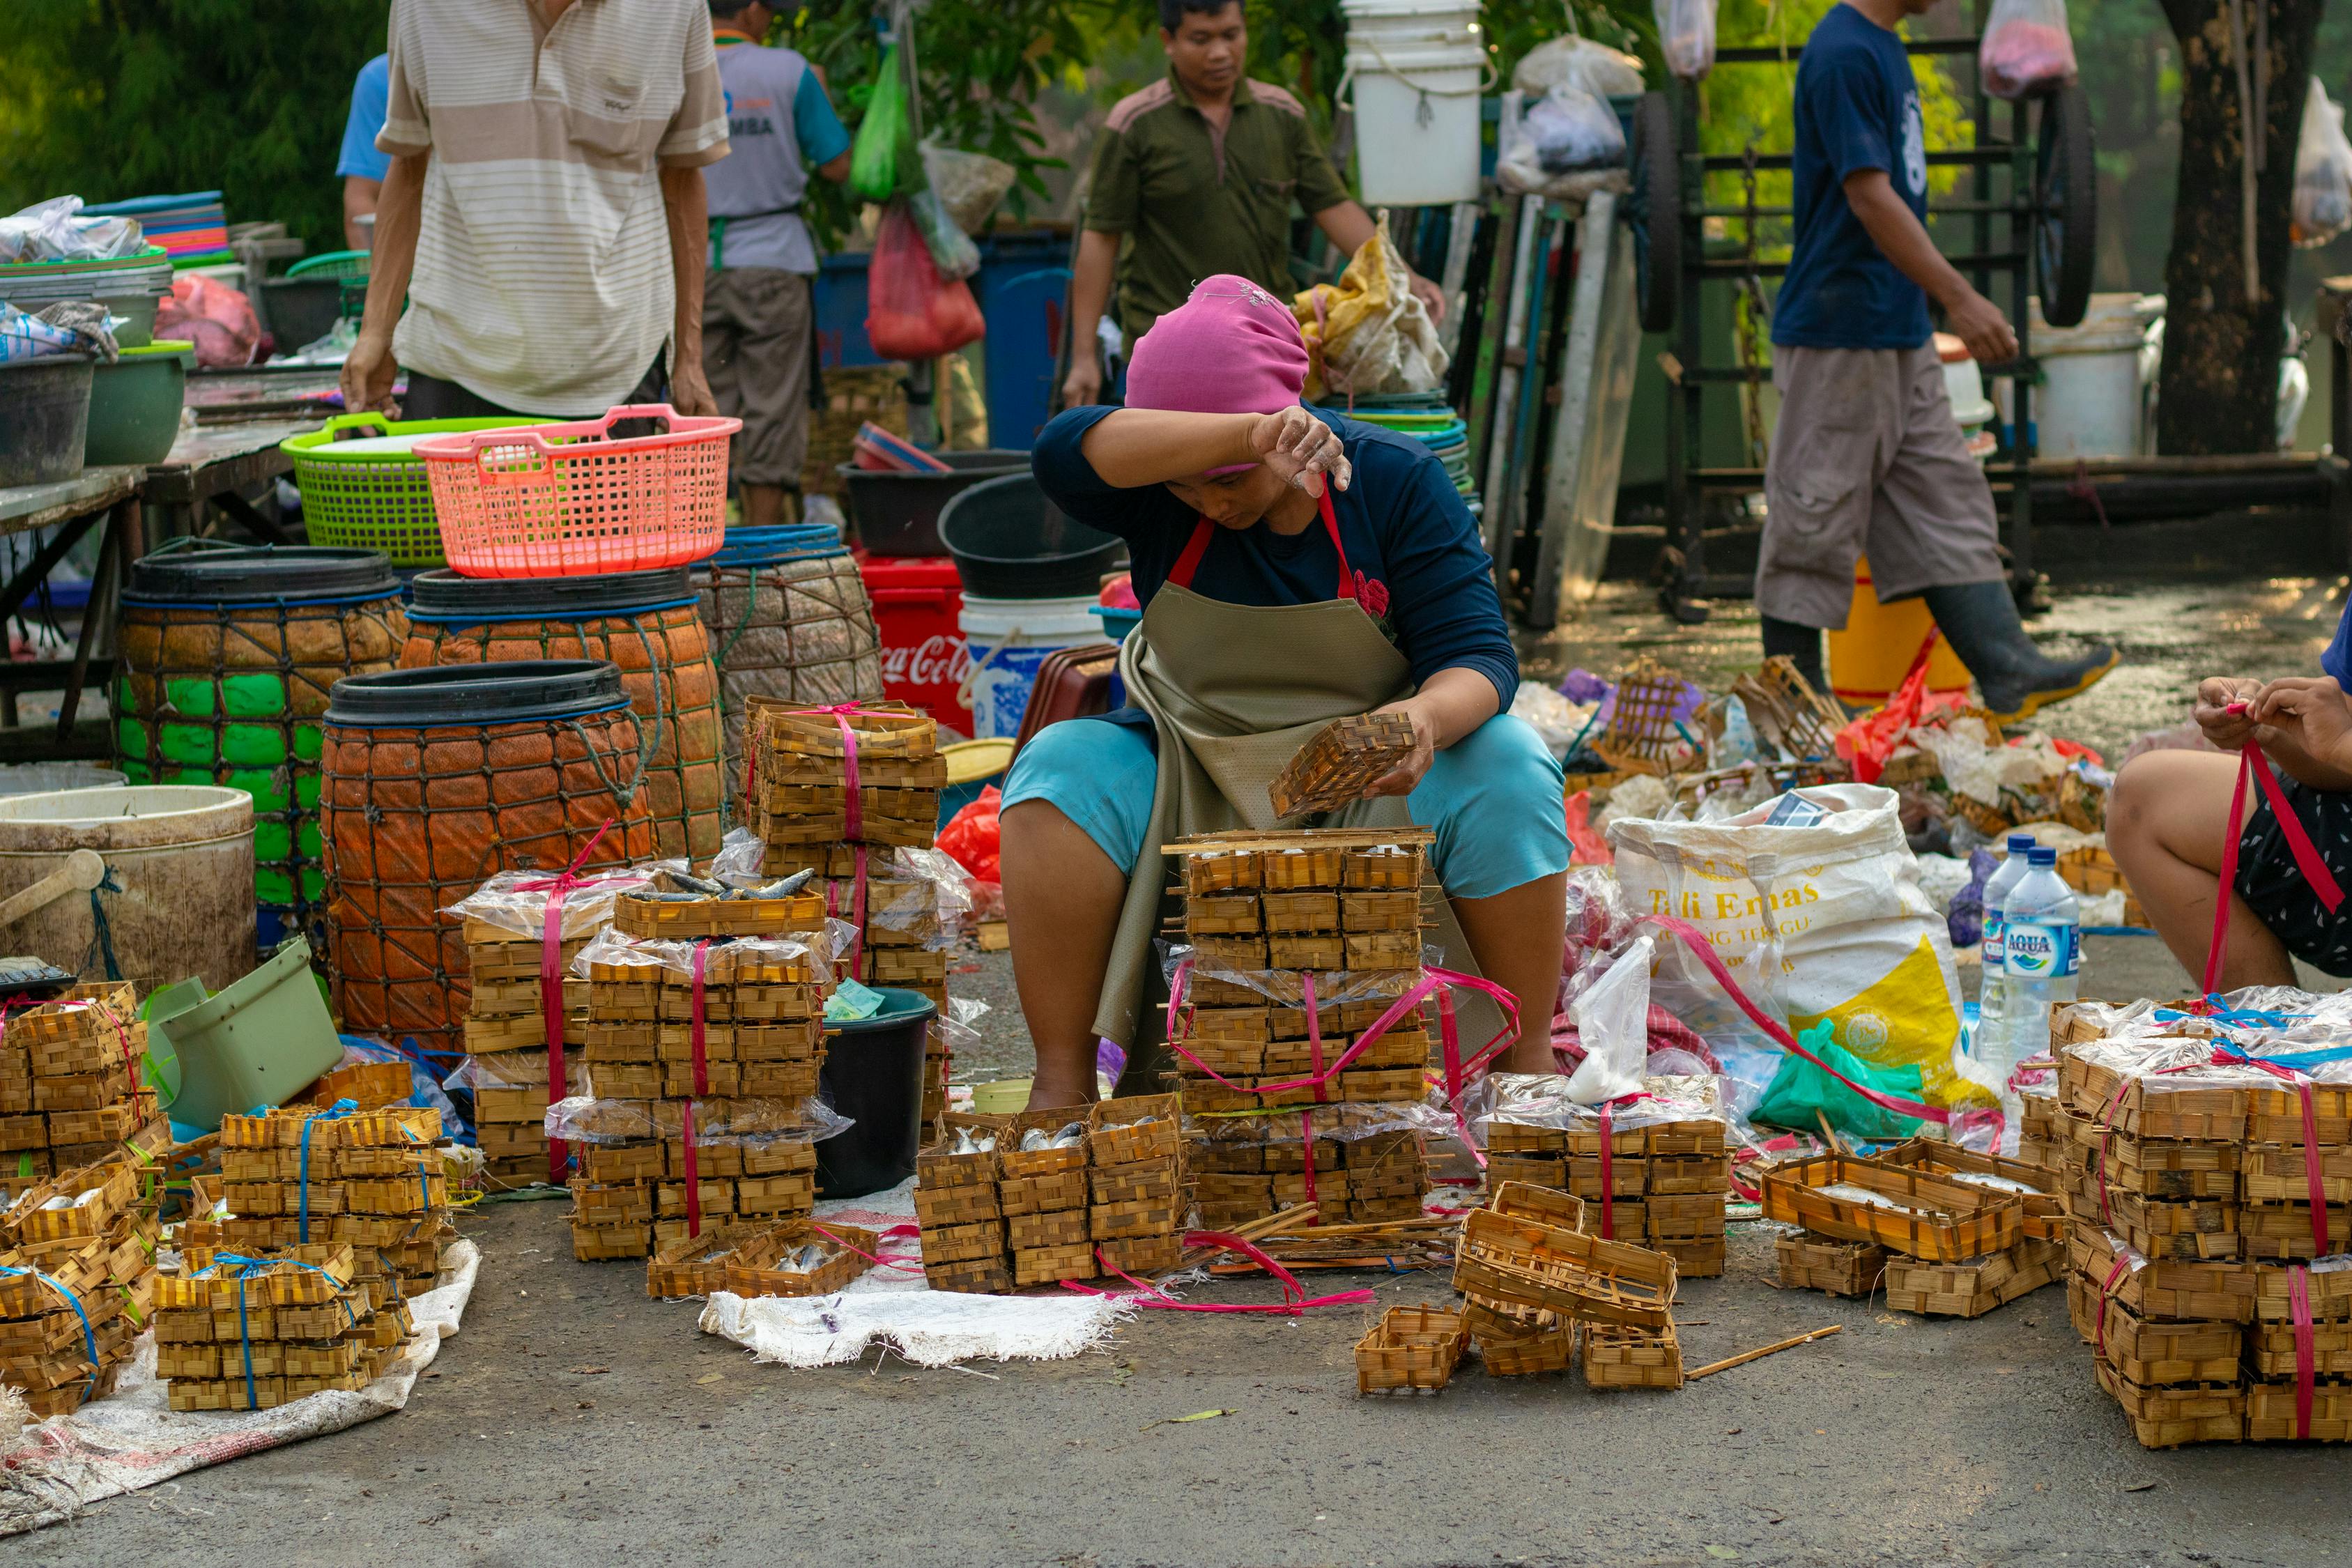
1992 990
2042 953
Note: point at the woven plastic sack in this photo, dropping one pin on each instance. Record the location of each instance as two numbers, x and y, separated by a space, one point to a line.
969 184
1368 335
912 313
1685 36
1812 903
665 668
2027 48
800 632
2323 172
882 160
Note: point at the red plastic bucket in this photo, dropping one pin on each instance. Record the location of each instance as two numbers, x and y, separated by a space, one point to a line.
917 601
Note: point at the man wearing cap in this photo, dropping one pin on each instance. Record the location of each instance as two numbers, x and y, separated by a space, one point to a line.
1198 173
543 221
1295 567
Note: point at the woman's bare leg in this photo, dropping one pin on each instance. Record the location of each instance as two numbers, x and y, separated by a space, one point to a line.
2164 827
1516 936
1061 899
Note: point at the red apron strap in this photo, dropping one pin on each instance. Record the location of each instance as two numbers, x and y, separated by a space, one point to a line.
1188 561
1195 547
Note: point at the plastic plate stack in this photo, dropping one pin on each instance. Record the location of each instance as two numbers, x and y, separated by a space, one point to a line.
1426 417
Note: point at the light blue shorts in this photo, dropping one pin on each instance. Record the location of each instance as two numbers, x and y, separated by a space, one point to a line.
1494 797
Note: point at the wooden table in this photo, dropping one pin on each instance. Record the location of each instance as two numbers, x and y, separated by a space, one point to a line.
210 465
73 506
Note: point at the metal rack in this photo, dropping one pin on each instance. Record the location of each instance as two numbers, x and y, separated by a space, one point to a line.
2039 192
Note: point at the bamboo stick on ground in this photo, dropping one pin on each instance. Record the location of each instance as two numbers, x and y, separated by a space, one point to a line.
1762 1350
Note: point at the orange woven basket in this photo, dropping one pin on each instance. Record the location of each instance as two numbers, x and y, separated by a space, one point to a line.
561 500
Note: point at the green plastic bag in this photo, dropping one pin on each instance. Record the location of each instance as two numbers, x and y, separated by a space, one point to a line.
1801 1092
883 160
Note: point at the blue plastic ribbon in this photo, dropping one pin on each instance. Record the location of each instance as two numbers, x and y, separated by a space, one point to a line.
335 1113
88 1339
242 1268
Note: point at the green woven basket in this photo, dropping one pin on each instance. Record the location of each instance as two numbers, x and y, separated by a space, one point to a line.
374 500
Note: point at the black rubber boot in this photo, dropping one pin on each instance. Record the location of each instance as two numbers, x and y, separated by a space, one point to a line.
2016 679
1801 645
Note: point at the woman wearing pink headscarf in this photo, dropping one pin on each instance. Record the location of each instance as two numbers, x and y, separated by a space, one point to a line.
1295 567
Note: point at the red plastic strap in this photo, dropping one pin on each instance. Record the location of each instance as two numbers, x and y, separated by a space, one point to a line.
1314 1036
853 825
2298 1303
693 1177
1295 1300
848 1246
1773 1027
2107 1141
2106 1289
2316 1187
695 1034
1433 980
2298 842
550 984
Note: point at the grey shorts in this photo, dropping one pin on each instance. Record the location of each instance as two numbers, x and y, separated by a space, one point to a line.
1866 458
756 323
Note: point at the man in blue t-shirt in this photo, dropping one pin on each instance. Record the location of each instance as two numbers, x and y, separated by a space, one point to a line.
757 316
1866 453
361 166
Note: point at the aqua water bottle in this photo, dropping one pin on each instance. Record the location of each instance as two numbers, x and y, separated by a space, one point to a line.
2042 955
1992 990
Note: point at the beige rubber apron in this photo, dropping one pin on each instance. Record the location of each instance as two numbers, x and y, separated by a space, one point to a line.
1233 691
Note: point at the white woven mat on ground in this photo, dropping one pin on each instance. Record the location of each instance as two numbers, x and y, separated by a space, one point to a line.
55 1468
894 1308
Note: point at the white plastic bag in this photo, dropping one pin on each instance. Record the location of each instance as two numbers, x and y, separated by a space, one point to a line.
1687 36
2323 172
2027 48
953 251
1581 62
1819 919
1572 130
54 230
969 184
1612 1021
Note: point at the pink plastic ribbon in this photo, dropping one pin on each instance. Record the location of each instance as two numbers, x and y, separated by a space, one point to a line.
550 979
1296 1301
853 825
2298 842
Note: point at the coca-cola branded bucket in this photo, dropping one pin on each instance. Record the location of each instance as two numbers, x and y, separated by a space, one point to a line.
917 601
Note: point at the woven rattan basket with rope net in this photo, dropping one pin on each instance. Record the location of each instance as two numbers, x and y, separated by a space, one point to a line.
788 619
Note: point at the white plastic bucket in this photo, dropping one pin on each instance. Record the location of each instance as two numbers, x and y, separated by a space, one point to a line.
2088 401
1009 640
1415 71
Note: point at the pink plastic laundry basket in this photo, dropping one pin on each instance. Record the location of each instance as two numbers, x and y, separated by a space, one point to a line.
567 501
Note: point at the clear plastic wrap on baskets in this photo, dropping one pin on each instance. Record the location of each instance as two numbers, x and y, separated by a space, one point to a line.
573 499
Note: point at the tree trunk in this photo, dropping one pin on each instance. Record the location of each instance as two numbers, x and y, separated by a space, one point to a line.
2222 343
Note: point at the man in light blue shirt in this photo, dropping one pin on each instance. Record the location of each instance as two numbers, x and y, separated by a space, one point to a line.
756 316
361 166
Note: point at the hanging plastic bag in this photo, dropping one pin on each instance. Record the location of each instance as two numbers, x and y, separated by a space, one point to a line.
1573 129
970 837
953 251
1595 66
912 313
2323 173
2026 49
1685 36
882 160
1612 1022
1368 334
969 184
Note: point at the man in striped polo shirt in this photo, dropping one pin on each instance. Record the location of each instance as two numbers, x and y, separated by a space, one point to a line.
544 215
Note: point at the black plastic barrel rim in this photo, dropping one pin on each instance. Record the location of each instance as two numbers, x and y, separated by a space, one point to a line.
445 595
260 573
503 691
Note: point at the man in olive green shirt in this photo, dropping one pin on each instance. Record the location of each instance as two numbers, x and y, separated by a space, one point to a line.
1199 172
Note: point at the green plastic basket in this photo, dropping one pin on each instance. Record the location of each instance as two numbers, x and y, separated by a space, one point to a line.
333 264
374 500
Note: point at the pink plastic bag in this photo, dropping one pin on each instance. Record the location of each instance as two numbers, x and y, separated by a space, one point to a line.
2026 49
911 313
214 317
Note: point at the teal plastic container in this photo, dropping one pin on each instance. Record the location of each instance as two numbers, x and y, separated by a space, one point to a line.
134 404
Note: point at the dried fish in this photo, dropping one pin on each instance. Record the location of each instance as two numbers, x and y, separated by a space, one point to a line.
1069 1137
965 1144
687 882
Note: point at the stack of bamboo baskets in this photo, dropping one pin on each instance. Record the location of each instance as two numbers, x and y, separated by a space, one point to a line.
1304 1033
76 1281
71 1089
1539 1285
240 1331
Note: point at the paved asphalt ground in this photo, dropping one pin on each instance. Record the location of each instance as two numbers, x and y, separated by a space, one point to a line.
573 1421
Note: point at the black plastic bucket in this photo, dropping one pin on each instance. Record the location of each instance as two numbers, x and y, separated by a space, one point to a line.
196 573
1010 542
874 1072
898 513
44 419
501 692
443 595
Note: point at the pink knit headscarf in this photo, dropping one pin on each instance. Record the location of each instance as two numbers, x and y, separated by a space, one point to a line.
1231 348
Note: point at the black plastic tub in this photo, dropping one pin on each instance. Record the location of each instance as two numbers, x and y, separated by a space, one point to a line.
873 1073
298 312
1010 542
199 573
504 691
444 595
898 513
44 419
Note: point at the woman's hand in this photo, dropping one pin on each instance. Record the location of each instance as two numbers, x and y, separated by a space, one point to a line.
2215 696
1301 450
2311 714
1402 778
